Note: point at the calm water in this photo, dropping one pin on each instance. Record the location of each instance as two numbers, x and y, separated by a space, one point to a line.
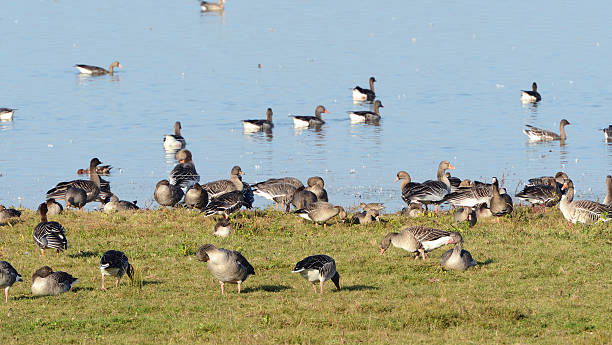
449 75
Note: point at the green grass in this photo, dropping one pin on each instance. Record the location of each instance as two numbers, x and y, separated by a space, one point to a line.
538 281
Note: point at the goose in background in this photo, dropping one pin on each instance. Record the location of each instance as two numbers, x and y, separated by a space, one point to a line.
227 204
95 70
538 134
317 186
6 114
455 182
8 214
207 6
227 266
184 173
413 210
76 197
91 186
196 197
531 96
374 207
607 132
115 263
457 258
366 116
302 198
310 121
119 205
361 94
466 214
429 192
318 268
101 170
174 142
280 193
559 178
291 180
8 277
608 199
53 207
321 212
416 239
167 194
582 211
220 187
49 234
46 282
223 228
500 204
259 125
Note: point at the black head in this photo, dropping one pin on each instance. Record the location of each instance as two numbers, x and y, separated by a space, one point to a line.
42 209
534 86
94 162
336 280
372 79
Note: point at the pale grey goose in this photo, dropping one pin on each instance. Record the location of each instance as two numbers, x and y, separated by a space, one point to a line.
227 266
281 193
317 186
538 134
366 115
582 211
361 94
53 207
8 214
416 239
220 187
302 198
457 258
429 192
95 70
184 173
196 197
321 211
318 268
91 186
167 194
8 277
46 282
310 121
608 199
291 180
531 96
119 205
500 204
259 125
174 142
115 263
49 234
223 228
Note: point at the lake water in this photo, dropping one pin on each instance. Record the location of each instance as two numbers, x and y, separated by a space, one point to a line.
449 76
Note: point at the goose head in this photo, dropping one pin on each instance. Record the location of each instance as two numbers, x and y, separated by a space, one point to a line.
321 110
402 175
336 279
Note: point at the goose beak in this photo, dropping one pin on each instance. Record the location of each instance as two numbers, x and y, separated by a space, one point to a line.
382 251
396 179
450 240
242 173
450 166
120 66
564 186
326 111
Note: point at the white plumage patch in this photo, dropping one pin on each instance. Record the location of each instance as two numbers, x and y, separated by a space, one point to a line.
527 98
84 70
431 245
299 123
358 96
250 127
170 143
8 116
356 118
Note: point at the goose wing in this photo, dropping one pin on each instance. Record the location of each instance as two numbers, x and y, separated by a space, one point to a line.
226 204
313 262
469 197
50 235
217 188
184 175
423 233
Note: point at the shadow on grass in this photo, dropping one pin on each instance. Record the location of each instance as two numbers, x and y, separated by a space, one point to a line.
486 262
267 288
151 282
77 289
359 287
85 254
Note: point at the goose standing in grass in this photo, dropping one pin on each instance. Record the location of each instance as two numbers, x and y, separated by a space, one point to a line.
115 263
310 121
430 192
8 214
207 6
466 214
167 194
49 234
361 94
220 187
53 207
227 204
416 239
582 211
321 211
91 186
174 142
318 268
184 173
302 198
196 197
607 132
76 197
608 199
259 125
367 116
95 70
280 193
457 258
227 266
538 134
46 282
541 194
8 277
469 196
317 186
500 204
531 96
223 228
119 205
6 114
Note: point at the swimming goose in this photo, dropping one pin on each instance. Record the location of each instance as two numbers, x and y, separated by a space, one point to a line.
457 258
45 282
196 197
607 132
167 194
538 134
302 198
115 263
500 204
53 207
101 170
360 94
49 234
220 187
91 186
608 199
119 205
95 70
469 196
184 173
582 211
318 268
226 204
464 214
541 194
559 178
174 142
281 193
416 239
8 277
228 266
223 228
429 192
320 212
291 180
6 114
310 121
207 6
7 214
531 96
317 186
367 116
259 125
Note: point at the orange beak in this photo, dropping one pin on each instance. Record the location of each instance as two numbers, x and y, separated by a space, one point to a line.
120 66
242 173
450 166
396 179
326 111
565 186
382 251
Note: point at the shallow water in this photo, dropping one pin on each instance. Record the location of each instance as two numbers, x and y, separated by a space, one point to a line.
449 75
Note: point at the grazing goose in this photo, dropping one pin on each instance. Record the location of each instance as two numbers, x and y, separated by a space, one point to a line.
226 204
223 228
608 199
95 70
207 6
582 211
53 207
184 173
360 94
220 187
500 204
531 96
469 196
281 193
101 170
318 268
45 282
317 186
302 198
119 205
76 197
429 192
457 258
228 266
541 194
375 207
291 180
196 197
466 214
607 132
6 114
8 214
259 125
365 217
174 142
483 211
167 194
559 178
8 277
367 116
310 121
416 239
49 234
538 134
115 263
413 210
321 211
91 186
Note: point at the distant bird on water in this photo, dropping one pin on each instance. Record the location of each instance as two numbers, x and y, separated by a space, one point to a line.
95 70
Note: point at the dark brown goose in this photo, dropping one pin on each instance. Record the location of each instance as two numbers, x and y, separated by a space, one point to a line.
500 204
91 186
302 198
531 96
317 186
361 94
259 125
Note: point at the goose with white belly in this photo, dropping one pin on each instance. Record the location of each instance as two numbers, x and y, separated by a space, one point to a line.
174 142
310 121
95 70
366 116
259 125
416 239
582 211
361 94
531 96
318 268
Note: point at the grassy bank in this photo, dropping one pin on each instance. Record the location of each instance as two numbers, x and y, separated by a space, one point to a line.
538 281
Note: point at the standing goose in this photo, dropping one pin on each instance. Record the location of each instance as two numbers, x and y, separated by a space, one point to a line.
8 214
259 125
207 6
115 263
367 116
281 193
559 178
469 196
8 277
105 192
500 204
6 114
196 197
317 186
608 199
226 204
95 70
228 266
607 132
430 192
416 239
310 121
119 205
76 197
302 198
321 211
582 211
49 234
91 186
538 134
457 258
291 180
361 94
223 228
53 207
318 268
184 173
45 282
541 194
220 187
167 194
174 142
531 96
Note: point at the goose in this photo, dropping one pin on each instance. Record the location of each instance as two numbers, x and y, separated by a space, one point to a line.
207 6
220 187
115 263
105 192
119 205
541 194
46 282
53 207
281 193
500 204
49 234
360 94
457 258
429 192
582 211
226 204
8 277
483 211
310 121
223 228
318 268
76 197
375 207
174 142
320 212
466 214
91 186
608 199
469 196
8 214
366 116
416 239
413 210
291 180
365 217
559 178
302 198
184 173
455 182
227 266
607 132
317 186
95 70
538 134
531 96
167 194
6 114
101 170
196 197
259 125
